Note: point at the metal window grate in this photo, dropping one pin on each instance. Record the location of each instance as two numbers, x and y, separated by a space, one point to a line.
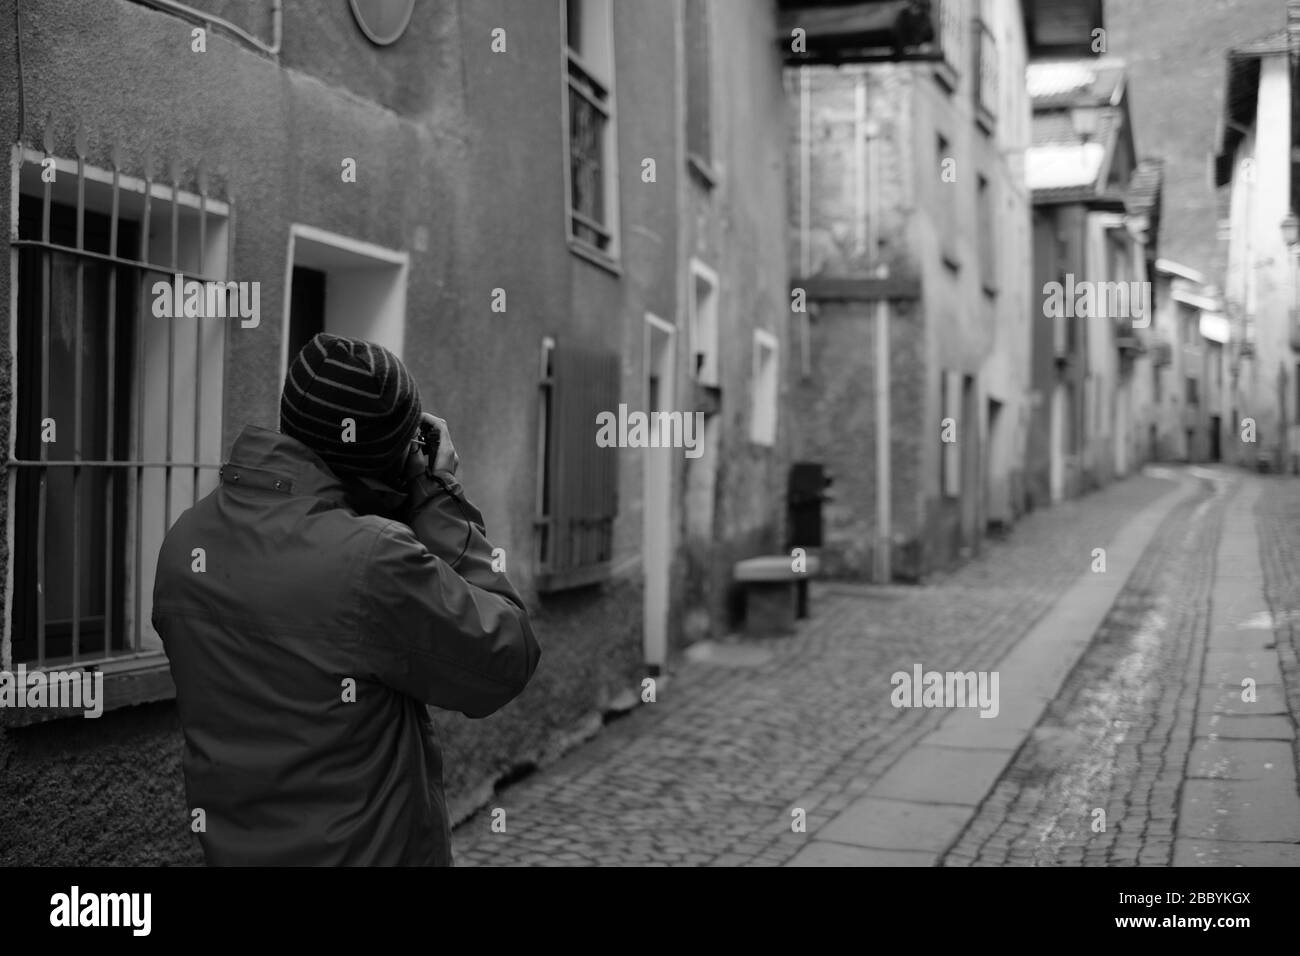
133 400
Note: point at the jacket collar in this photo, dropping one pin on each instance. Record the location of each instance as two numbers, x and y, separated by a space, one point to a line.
266 459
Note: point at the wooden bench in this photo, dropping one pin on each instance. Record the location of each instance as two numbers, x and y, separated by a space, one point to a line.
775 594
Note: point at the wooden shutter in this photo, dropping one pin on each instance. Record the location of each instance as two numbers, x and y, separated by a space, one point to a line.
583 479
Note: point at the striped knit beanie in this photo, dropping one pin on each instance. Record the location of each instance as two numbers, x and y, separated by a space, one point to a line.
336 379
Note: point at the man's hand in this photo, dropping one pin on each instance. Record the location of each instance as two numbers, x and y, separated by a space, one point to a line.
446 459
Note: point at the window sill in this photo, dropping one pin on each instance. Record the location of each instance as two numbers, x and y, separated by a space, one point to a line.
702 170
597 258
126 683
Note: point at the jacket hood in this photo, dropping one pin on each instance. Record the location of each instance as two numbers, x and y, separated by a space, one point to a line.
271 460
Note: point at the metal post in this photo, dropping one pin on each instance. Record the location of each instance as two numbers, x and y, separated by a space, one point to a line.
76 401
110 473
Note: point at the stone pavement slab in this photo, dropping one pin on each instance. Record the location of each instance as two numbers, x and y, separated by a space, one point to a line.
897 825
928 774
823 853
1227 699
1265 810
1222 759
1219 853
1244 726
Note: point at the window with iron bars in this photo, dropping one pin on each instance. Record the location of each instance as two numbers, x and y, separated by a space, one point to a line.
589 111
116 414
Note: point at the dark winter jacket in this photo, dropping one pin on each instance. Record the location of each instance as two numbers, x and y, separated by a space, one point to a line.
306 638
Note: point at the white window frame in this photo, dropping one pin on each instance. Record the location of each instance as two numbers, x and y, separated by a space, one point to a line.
765 391
149 435
369 283
702 313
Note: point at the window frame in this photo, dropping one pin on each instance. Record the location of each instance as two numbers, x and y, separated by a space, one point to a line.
704 325
135 673
609 257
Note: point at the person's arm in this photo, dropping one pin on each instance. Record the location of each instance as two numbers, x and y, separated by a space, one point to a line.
436 636
449 525
444 626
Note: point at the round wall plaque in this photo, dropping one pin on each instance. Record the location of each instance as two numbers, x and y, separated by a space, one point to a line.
382 21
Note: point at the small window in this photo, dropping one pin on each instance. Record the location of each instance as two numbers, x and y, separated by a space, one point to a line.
591 157
1193 391
762 423
344 286
577 492
704 324
987 226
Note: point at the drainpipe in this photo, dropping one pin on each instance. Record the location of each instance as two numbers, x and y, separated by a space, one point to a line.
206 20
805 214
882 553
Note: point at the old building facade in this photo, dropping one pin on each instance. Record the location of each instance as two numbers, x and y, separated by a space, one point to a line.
516 199
1255 167
909 234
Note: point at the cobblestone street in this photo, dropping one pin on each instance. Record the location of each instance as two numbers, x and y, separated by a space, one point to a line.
1118 737
738 738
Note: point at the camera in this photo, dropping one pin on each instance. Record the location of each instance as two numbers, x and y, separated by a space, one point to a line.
427 439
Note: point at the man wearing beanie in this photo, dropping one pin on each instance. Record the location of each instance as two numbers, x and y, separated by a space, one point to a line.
335 583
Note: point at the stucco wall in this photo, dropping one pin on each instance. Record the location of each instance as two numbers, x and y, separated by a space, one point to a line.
447 136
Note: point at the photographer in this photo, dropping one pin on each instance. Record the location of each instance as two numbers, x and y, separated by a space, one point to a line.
345 583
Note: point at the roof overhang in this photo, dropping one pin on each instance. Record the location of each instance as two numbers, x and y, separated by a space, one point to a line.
864 31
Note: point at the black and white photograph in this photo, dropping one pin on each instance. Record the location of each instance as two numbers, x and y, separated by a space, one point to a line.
651 433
